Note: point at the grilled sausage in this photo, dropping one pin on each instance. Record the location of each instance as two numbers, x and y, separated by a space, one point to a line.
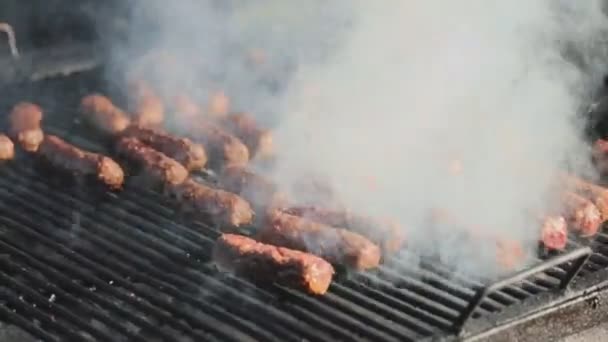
223 207
7 148
155 167
25 128
186 109
266 263
598 195
219 104
554 232
336 245
67 157
258 140
256 189
222 147
582 215
100 112
388 235
146 106
191 155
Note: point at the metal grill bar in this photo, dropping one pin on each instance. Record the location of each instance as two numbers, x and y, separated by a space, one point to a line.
73 241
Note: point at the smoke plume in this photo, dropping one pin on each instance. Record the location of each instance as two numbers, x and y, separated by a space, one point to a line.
402 106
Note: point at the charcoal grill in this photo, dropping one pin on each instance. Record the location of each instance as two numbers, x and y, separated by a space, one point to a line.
76 266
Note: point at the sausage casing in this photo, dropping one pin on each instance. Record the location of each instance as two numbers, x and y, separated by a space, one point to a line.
158 169
336 245
103 114
389 235
262 262
76 161
223 207
188 153
25 120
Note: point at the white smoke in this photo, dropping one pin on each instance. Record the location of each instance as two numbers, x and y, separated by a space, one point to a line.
396 91
419 83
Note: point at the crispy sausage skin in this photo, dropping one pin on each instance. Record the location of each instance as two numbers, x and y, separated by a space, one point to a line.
188 153
25 119
259 141
267 263
219 105
554 232
336 245
146 106
222 148
387 234
186 108
7 148
103 114
256 189
223 207
67 157
598 195
582 215
155 167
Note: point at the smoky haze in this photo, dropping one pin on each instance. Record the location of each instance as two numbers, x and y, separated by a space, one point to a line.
384 98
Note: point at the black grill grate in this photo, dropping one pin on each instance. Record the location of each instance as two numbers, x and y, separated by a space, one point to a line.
77 266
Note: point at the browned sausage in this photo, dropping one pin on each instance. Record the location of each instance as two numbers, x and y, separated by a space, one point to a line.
336 245
67 157
582 215
190 154
554 232
258 140
598 195
219 105
222 148
25 119
146 106
223 207
7 148
266 263
103 114
155 167
258 190
186 109
389 235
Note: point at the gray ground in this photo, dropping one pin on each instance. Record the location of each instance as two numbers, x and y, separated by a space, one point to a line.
599 333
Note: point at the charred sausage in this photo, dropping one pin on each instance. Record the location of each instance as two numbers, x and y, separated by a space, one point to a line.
67 157
336 245
267 263
25 119
146 106
156 168
222 148
100 112
188 153
256 189
258 140
554 232
582 215
223 207
388 235
598 195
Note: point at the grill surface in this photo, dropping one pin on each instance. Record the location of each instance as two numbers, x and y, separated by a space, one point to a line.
106 267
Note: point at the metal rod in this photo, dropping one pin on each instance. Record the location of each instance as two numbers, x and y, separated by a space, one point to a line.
12 41
579 255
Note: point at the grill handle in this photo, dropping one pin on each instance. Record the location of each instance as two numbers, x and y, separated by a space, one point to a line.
578 257
12 41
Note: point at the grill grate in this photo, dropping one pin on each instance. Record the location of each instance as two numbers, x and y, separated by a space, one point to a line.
76 266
